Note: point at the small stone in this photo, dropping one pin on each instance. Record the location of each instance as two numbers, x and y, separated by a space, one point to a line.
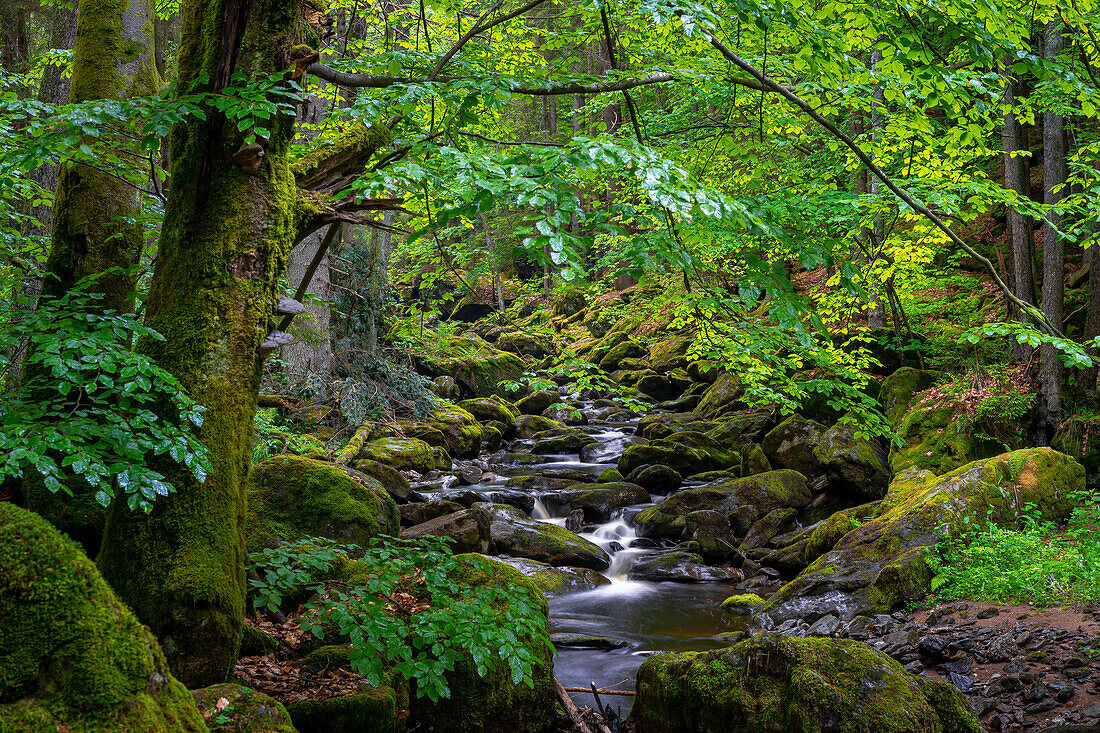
988 613
824 626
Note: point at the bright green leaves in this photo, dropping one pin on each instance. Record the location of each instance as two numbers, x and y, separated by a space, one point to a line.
92 408
407 610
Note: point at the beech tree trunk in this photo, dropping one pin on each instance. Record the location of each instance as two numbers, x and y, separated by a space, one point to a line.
96 217
224 244
1055 173
1014 139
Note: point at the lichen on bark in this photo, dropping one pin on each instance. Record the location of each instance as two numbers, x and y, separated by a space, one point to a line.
223 247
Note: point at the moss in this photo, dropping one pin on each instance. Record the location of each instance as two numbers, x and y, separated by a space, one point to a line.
778 683
686 461
609 475
372 710
518 535
488 409
934 439
291 498
742 604
71 655
460 429
392 480
248 711
255 643
401 453
356 138
897 391
494 703
720 397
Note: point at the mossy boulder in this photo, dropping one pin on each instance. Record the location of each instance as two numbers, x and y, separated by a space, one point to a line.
558 441
423 511
934 439
774 523
742 605
244 710
753 461
670 353
494 703
72 656
392 480
462 433
656 386
371 710
624 349
854 465
493 409
680 458
475 365
781 684
566 414
609 475
468 529
598 501
536 402
880 566
526 344
290 498
516 534
826 534
896 392
791 444
722 396
528 425
404 454
656 478
491 438
553 581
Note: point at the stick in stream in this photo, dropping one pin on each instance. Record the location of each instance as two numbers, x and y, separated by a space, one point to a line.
628 693
570 708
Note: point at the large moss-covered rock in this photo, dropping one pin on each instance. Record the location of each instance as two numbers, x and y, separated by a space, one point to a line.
461 430
623 349
392 480
518 535
528 425
290 498
564 440
880 566
493 409
468 529
791 444
72 656
720 397
405 454
896 392
536 402
682 459
670 353
476 366
854 465
781 684
494 703
599 500
554 581
743 501
244 710
526 344
371 710
935 439
679 567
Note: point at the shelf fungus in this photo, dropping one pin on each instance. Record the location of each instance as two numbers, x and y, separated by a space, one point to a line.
289 307
249 157
274 340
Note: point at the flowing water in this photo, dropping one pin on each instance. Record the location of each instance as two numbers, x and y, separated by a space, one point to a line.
639 618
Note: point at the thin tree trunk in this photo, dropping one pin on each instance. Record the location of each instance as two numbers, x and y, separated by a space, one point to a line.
876 314
1014 139
1055 173
226 237
310 355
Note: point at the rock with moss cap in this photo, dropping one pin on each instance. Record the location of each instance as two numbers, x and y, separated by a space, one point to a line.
404 454
371 710
682 459
598 501
493 409
526 344
290 498
461 430
721 397
528 425
934 438
536 402
880 566
854 465
791 445
753 461
609 475
670 353
476 366
563 440
896 392
494 703
392 480
656 478
72 656
742 605
625 348
244 710
554 581
780 684
518 535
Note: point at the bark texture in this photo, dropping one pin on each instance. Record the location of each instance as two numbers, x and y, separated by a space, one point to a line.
225 241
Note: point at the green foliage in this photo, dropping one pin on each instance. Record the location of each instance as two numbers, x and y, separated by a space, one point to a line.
271 438
92 408
377 386
581 376
1036 562
408 614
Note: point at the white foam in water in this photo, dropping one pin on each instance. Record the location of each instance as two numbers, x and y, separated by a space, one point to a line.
622 532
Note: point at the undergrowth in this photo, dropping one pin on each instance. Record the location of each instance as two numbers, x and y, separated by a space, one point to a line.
1036 562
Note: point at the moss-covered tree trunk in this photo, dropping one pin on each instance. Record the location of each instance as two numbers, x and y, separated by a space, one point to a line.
96 216
227 232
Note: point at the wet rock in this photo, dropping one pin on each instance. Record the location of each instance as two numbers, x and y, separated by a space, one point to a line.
815 683
854 465
554 581
534 403
566 414
768 526
825 626
680 567
609 475
420 512
599 500
405 454
791 445
721 397
493 409
753 461
392 480
679 458
574 521
528 425
516 534
710 530
468 530
656 478
742 605
569 440
462 434
657 387
584 641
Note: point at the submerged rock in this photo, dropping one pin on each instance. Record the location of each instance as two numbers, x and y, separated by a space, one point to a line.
775 683
72 656
880 566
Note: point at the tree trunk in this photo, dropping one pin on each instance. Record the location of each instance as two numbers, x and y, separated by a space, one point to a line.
96 217
1014 139
311 352
876 314
226 237
1055 173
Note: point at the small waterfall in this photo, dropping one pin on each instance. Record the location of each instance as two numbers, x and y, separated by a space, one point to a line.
540 512
623 534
